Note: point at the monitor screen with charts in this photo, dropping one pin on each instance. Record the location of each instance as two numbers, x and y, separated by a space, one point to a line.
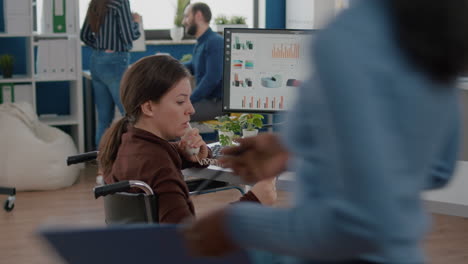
263 68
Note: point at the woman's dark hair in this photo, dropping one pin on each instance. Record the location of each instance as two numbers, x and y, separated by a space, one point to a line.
434 35
96 14
149 79
204 9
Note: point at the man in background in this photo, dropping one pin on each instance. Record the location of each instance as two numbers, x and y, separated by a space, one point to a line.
206 64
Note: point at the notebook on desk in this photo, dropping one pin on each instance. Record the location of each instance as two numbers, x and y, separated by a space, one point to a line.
126 244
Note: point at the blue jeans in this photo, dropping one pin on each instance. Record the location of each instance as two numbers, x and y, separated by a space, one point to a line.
106 71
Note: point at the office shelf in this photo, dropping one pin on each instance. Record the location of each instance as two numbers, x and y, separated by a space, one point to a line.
36 83
59 120
22 78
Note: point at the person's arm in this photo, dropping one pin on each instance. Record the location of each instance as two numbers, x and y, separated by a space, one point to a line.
129 30
377 206
256 158
169 186
86 35
378 199
443 169
213 71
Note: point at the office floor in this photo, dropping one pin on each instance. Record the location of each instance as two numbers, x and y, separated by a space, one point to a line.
76 206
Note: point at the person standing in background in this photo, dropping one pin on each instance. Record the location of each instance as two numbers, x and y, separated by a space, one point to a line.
376 124
109 29
206 64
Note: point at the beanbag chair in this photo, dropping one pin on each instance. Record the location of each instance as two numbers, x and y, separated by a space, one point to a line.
32 154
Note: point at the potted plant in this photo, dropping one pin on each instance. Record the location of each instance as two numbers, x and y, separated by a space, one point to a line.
227 127
238 20
250 124
177 32
186 58
6 64
223 21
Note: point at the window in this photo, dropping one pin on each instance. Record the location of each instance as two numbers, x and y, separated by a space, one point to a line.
160 14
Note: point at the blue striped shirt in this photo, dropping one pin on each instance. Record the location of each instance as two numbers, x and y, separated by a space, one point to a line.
116 33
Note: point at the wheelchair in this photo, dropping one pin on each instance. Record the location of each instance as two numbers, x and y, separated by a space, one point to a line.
10 202
122 207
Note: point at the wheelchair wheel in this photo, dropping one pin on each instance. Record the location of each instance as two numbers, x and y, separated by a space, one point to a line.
9 205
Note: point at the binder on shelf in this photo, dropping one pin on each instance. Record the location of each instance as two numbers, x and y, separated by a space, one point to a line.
46 19
70 66
16 15
58 47
42 62
2 17
71 6
56 59
23 93
16 24
7 93
58 18
17 7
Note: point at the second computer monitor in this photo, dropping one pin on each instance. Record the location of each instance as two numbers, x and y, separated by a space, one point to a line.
263 68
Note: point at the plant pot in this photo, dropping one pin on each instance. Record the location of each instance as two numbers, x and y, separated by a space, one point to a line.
177 33
7 73
249 133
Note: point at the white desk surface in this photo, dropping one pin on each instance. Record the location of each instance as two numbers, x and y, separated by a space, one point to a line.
451 200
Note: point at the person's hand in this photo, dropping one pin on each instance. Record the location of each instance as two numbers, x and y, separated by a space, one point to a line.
136 17
207 236
256 158
192 139
265 191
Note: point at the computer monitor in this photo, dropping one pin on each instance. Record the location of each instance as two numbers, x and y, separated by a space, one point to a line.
263 68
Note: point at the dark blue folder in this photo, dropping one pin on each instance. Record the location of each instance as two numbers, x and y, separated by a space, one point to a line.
127 244
2 17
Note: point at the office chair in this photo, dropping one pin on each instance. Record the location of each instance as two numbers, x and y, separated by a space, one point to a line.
10 202
122 207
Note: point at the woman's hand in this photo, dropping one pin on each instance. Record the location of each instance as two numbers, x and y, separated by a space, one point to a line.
192 139
256 158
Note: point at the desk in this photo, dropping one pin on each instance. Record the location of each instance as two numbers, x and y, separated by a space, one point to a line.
285 181
451 200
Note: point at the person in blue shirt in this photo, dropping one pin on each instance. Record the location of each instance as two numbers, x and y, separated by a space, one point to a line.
206 64
375 126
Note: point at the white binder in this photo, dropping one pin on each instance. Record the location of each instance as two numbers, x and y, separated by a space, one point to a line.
71 5
17 18
24 93
17 7
70 59
46 19
42 62
58 58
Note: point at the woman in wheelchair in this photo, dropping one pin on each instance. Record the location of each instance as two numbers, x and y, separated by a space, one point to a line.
155 92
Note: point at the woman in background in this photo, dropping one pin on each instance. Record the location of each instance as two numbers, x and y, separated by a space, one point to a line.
109 29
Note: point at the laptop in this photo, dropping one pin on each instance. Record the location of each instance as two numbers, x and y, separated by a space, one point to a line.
127 244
